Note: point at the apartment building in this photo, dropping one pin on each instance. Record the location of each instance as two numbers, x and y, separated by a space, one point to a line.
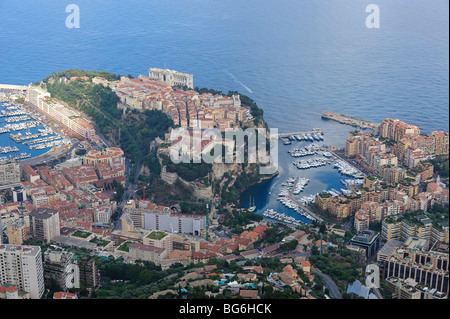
17 233
139 251
395 129
150 216
44 224
410 289
427 268
9 173
60 267
89 272
22 267
441 143
72 120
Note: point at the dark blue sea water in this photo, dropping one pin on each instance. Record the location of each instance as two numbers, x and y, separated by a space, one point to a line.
295 58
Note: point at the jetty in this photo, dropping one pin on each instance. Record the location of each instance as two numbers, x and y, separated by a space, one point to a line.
348 120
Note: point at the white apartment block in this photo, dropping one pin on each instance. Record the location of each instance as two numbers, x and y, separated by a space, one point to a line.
165 220
22 267
73 120
35 94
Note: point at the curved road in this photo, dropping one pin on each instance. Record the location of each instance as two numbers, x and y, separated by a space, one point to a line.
329 283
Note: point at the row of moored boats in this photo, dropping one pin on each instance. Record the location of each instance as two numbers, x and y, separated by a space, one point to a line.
282 217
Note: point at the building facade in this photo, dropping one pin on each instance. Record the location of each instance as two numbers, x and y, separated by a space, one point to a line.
368 240
44 224
60 267
426 268
72 120
22 267
9 173
173 78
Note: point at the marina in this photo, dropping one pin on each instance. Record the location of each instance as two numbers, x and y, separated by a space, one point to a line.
316 169
282 217
293 186
346 169
19 118
311 163
27 137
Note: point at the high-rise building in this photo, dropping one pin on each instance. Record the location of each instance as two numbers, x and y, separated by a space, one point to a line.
395 129
44 224
427 268
22 267
60 267
89 273
441 143
16 233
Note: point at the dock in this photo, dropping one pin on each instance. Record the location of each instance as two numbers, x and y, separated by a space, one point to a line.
348 120
306 208
287 135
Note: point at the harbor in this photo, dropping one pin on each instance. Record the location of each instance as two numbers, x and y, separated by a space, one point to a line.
308 167
23 136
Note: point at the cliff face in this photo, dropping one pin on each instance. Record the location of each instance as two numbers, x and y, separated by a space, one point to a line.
227 180
230 180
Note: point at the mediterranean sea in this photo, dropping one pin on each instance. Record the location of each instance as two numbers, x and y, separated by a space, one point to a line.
295 58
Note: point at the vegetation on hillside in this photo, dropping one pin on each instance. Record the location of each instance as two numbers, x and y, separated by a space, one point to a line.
130 131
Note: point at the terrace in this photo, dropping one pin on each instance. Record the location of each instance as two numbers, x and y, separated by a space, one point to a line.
157 235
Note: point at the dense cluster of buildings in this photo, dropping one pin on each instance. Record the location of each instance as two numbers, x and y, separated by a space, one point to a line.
398 145
55 206
187 108
80 193
412 270
414 257
396 161
174 237
376 200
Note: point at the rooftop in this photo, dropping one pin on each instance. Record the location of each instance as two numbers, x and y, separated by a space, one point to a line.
365 237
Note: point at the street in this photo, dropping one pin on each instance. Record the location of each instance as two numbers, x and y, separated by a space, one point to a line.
329 283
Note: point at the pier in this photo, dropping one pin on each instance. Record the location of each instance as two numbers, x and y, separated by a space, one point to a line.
348 120
306 209
14 88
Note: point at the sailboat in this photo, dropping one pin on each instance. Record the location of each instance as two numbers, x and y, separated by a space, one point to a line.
252 208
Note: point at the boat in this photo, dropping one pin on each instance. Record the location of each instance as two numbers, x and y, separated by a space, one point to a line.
282 217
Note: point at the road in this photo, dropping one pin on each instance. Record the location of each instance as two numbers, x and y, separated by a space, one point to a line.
329 283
